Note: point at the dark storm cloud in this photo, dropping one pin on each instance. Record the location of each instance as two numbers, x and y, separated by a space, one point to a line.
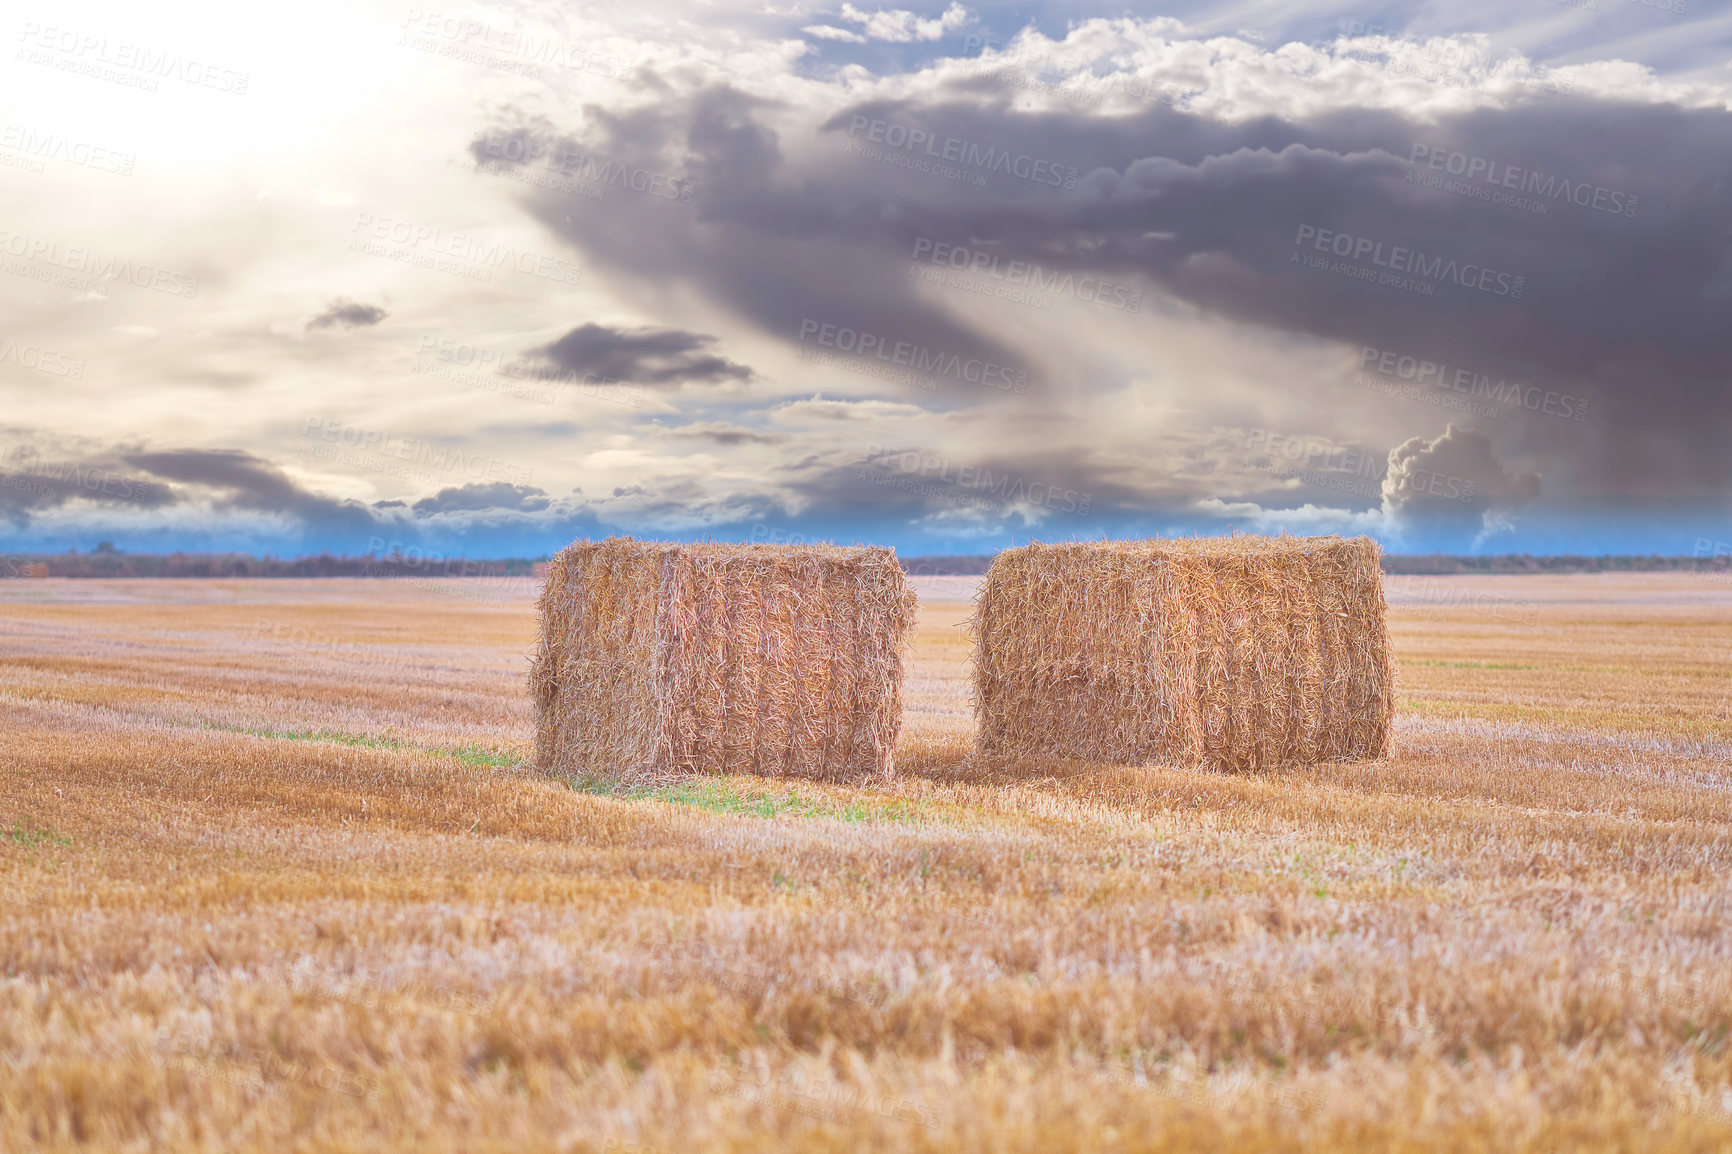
32 483
37 482
344 313
247 482
641 356
476 497
910 481
781 260
234 479
1626 307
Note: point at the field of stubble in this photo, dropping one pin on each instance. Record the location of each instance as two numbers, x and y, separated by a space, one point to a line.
272 877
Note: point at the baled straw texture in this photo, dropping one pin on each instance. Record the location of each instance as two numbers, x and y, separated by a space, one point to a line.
1234 652
660 661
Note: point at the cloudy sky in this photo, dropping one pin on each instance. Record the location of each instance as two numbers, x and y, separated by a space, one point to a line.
487 278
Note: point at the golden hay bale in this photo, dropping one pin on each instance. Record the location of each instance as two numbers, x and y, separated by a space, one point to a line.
1235 652
659 661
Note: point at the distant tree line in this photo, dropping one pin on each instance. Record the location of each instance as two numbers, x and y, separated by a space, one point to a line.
231 565
1420 564
1439 563
112 563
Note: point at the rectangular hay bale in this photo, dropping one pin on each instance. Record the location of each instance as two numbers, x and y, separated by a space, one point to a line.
1234 652
658 661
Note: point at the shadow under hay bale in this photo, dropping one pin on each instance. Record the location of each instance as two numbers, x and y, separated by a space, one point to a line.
1234 652
660 661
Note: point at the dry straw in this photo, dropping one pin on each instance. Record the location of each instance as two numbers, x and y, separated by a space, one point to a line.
1236 652
660 661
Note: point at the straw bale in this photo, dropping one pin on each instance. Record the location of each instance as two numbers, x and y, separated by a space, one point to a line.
658 661
1235 652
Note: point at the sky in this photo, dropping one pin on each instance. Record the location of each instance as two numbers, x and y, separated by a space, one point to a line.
485 279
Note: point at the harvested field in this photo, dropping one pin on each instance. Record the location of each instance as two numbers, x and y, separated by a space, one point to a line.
274 876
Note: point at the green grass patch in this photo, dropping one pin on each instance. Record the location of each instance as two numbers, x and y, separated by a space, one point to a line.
480 755
468 754
30 836
749 798
325 736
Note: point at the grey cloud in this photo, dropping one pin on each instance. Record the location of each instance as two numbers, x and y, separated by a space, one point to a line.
910 481
249 482
643 356
32 483
43 483
778 259
344 313
476 497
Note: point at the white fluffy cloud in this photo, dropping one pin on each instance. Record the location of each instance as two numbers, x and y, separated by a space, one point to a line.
900 26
